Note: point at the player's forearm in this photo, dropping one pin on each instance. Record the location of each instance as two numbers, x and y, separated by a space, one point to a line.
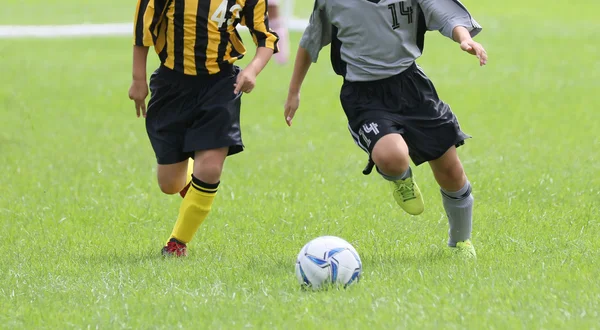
460 34
140 56
301 66
260 60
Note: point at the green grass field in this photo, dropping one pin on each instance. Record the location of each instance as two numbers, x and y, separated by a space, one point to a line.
82 219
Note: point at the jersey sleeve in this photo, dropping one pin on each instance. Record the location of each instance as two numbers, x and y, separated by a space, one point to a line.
445 15
255 18
144 15
318 32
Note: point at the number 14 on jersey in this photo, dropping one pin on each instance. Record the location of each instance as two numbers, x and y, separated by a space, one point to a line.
405 10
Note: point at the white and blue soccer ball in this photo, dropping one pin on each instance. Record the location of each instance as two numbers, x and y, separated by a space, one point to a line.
328 261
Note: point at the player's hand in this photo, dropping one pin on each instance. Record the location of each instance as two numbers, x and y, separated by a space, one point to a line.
138 93
474 48
245 82
291 105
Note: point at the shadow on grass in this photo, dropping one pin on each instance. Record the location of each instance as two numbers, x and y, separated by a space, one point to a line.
122 257
409 258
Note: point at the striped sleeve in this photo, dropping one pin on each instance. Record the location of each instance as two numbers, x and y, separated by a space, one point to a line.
144 16
445 15
255 18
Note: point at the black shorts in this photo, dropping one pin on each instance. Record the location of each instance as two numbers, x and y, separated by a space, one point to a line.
192 113
406 104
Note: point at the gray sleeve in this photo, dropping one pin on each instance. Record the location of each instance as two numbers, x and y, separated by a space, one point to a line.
318 33
445 15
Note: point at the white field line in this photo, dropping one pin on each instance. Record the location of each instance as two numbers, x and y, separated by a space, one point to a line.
91 30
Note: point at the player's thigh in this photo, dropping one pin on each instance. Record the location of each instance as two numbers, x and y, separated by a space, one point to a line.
380 138
390 143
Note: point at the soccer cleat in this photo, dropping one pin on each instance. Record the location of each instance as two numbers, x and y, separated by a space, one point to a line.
465 249
408 196
174 248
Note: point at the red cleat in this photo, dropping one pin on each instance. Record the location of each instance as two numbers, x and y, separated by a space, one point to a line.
174 248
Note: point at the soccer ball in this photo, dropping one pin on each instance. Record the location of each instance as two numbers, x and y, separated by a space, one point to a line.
328 261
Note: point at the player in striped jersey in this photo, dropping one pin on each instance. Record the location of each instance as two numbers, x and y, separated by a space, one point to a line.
194 109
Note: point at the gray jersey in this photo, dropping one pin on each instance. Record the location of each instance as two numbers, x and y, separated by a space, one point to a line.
376 39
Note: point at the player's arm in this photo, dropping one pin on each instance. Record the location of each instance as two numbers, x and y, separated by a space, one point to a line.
454 21
139 87
461 35
301 66
256 19
142 40
316 36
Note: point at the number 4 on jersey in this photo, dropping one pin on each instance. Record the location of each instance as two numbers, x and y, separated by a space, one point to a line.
220 15
404 11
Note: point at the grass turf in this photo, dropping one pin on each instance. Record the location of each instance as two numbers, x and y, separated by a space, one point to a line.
82 219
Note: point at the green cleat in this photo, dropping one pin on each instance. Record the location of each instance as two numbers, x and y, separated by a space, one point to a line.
465 249
408 196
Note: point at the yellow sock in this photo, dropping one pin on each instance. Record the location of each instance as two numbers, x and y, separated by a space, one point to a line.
194 208
190 171
188 179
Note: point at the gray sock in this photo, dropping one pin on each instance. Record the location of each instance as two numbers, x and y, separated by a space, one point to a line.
459 209
406 174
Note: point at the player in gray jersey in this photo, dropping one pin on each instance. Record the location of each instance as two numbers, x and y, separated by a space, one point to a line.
393 109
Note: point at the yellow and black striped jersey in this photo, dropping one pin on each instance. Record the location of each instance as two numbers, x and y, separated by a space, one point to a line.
199 37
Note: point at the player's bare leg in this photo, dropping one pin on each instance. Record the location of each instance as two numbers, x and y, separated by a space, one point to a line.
278 24
457 200
390 154
172 178
208 166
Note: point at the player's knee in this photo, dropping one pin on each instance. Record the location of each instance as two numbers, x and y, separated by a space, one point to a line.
391 163
390 154
208 169
169 188
209 173
456 173
453 174
208 165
